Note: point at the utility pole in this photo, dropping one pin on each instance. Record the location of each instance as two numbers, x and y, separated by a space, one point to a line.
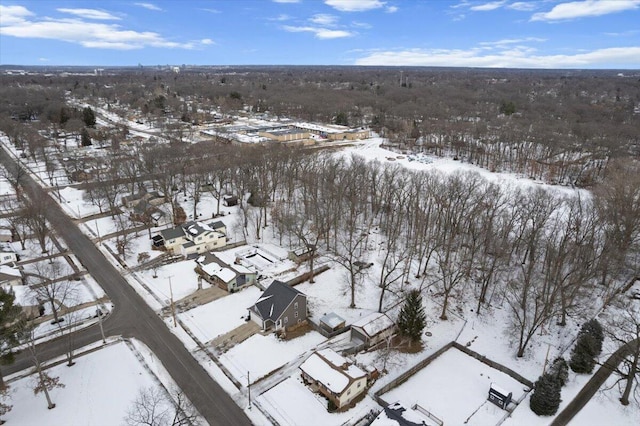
173 309
99 313
97 230
249 389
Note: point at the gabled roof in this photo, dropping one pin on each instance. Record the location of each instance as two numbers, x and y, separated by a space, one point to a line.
7 273
275 300
170 234
374 323
6 248
334 371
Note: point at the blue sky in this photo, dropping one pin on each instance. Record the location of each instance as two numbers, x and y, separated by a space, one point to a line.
486 33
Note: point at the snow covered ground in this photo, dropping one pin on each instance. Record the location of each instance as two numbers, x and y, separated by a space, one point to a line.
97 391
209 321
259 355
454 388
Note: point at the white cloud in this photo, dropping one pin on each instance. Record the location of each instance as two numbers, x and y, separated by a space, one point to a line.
488 6
207 41
281 17
19 22
586 8
518 57
392 9
361 25
321 33
508 41
90 14
149 6
622 33
354 5
205 9
324 19
523 6
13 14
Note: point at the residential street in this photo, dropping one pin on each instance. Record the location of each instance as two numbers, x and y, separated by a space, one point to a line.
130 318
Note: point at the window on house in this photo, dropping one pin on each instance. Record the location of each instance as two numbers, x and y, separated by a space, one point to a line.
349 392
296 314
295 305
359 383
199 238
286 320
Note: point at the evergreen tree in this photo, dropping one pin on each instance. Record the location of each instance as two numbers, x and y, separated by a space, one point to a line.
88 117
594 329
582 359
342 119
587 348
412 318
10 315
560 369
545 399
85 138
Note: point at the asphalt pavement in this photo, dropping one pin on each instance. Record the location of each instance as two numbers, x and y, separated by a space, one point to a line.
132 317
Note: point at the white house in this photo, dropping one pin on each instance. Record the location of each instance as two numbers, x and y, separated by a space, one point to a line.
7 254
334 376
229 276
10 276
194 237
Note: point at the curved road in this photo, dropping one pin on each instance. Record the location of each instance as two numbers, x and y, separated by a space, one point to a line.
131 317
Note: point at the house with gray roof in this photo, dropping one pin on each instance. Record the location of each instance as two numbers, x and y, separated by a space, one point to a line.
228 276
280 306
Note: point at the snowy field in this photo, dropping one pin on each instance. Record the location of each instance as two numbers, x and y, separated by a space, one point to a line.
259 355
98 391
454 388
220 316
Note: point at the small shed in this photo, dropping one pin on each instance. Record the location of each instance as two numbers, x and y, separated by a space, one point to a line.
499 396
332 322
230 200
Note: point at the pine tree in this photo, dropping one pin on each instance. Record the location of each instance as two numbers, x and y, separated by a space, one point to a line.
88 117
10 314
85 138
594 329
560 369
412 318
545 399
587 348
582 359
